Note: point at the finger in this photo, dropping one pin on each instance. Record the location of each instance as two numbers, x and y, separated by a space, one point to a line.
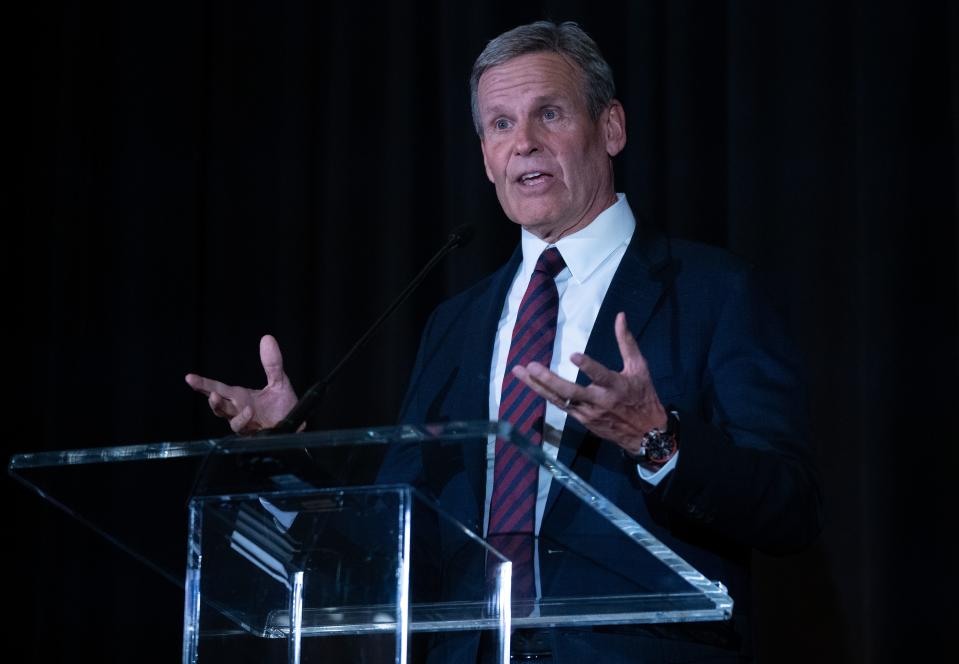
240 422
633 360
585 412
271 359
205 385
549 385
523 374
220 406
598 374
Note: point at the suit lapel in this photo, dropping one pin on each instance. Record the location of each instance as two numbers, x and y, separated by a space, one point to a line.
638 287
481 326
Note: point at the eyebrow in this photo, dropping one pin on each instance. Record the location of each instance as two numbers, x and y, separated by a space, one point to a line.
538 102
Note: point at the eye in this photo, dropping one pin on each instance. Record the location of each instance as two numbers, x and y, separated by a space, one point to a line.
501 124
550 114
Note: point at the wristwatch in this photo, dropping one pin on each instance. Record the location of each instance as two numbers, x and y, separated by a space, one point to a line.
659 446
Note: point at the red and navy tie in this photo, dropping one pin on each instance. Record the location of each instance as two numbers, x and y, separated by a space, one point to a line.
513 505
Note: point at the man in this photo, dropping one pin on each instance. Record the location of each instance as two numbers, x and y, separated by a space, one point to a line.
642 334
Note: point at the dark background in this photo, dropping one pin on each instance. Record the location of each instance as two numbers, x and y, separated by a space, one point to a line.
188 176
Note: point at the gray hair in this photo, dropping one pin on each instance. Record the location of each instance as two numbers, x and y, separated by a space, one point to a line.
566 39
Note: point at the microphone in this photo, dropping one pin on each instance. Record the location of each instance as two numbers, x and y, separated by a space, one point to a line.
461 236
308 403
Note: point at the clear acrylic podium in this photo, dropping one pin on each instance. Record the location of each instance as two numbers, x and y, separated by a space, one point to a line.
306 548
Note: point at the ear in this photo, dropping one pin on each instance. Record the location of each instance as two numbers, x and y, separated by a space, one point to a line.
489 173
615 128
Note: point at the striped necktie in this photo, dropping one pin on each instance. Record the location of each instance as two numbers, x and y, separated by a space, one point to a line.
515 477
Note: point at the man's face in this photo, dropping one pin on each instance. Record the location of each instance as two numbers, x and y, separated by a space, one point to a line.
549 161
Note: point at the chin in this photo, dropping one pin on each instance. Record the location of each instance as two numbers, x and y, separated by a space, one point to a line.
540 228
534 219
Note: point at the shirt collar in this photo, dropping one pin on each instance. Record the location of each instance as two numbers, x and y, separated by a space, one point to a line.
586 249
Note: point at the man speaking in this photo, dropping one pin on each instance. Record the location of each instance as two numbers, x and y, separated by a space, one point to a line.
652 367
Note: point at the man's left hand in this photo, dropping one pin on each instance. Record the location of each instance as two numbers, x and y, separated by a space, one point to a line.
621 407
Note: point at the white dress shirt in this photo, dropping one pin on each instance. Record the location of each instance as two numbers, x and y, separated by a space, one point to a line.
592 256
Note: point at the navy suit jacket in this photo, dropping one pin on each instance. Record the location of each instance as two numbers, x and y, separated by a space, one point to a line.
718 354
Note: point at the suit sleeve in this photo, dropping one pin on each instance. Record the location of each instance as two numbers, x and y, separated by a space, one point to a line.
745 471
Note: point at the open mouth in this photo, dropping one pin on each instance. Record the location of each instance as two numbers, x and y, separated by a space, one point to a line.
532 178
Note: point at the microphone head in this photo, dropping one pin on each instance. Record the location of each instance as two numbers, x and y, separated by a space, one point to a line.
461 235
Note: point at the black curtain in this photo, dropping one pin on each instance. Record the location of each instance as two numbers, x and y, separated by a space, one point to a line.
188 176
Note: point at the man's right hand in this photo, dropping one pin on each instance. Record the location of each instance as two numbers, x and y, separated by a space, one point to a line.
251 410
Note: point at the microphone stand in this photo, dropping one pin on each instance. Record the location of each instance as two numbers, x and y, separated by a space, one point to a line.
312 398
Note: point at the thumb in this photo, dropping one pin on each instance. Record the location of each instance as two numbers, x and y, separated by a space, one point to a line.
633 360
271 359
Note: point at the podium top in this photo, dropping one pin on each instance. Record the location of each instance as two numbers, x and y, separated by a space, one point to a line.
376 436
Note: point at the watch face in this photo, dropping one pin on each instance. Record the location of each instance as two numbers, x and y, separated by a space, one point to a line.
659 447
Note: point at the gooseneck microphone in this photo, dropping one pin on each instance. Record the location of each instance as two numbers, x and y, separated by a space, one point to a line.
308 403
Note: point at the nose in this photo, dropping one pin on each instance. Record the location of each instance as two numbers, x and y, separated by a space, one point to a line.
526 138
